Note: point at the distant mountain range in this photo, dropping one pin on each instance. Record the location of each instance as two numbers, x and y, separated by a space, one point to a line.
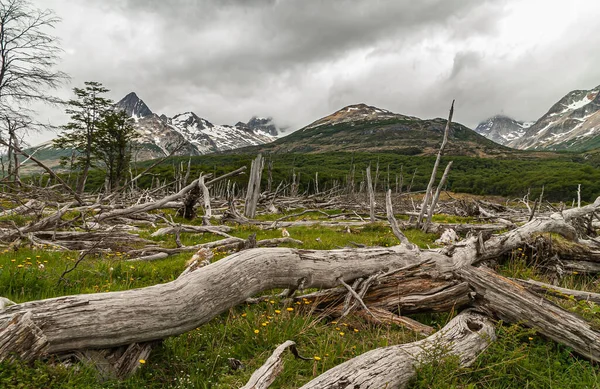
573 123
159 134
364 128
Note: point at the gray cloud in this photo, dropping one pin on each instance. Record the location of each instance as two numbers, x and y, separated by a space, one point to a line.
299 60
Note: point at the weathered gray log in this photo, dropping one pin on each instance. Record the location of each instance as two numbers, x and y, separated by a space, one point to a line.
564 293
31 206
105 320
465 336
50 222
266 374
146 206
218 230
511 302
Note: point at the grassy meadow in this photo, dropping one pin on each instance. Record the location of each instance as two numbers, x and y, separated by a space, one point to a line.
249 333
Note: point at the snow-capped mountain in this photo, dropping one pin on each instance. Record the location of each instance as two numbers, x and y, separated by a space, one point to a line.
573 123
208 137
266 125
502 129
159 135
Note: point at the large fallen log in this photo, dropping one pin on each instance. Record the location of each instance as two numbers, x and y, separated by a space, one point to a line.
105 320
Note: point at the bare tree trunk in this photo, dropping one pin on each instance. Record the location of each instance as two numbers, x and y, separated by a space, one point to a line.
253 191
206 198
371 195
435 167
437 195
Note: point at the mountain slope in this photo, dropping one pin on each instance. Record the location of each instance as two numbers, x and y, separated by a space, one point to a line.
502 129
365 128
573 123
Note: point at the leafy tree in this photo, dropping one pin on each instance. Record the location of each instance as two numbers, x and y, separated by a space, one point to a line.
88 111
113 141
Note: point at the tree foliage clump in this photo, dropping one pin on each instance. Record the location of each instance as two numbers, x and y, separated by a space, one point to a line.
96 133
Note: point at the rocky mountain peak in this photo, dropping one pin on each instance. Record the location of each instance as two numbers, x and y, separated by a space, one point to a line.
572 123
266 125
357 112
134 106
502 129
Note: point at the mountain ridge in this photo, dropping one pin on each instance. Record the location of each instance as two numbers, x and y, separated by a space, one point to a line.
572 123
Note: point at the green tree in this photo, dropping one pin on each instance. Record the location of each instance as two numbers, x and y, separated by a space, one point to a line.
113 146
88 111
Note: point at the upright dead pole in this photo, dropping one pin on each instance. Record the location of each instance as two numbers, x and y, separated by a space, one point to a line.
579 196
206 198
270 175
435 167
253 191
437 194
371 195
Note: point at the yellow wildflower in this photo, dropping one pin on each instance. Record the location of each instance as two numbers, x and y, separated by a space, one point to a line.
290 309
317 358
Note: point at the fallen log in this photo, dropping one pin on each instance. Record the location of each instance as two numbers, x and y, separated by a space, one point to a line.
106 320
564 293
465 336
509 301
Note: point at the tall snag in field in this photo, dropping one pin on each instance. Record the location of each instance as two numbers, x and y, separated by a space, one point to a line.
253 191
429 191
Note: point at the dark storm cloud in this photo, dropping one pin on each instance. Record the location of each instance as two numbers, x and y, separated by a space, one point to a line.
239 49
299 60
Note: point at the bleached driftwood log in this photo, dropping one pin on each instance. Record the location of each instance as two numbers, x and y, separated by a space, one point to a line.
465 336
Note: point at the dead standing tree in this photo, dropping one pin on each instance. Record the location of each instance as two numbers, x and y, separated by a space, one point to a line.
253 192
429 191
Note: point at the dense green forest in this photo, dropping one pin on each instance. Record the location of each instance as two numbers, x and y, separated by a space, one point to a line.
559 176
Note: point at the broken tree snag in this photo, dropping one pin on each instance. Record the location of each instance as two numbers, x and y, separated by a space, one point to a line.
266 374
393 222
371 195
106 320
187 210
511 302
429 190
253 191
465 336
206 198
437 194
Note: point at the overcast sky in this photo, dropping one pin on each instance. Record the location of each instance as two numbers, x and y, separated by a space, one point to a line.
227 60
